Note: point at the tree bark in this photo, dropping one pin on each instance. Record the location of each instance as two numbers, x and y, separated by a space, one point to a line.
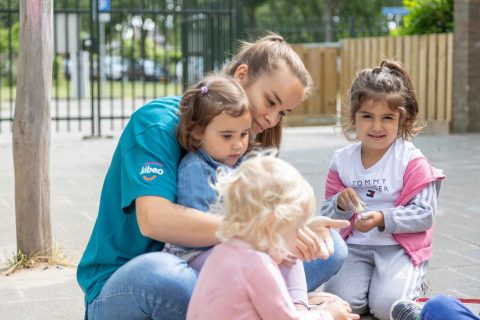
466 73
31 128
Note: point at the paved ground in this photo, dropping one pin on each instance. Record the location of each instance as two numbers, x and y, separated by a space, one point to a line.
77 171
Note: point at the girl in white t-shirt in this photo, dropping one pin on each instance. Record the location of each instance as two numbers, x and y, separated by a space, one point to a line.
386 188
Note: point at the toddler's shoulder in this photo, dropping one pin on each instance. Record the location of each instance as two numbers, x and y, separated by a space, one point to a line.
191 159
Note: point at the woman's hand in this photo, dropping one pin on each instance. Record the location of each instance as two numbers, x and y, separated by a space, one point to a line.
314 240
366 221
348 200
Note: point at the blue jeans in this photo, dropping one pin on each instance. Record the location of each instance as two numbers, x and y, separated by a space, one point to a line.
158 285
319 271
444 307
154 285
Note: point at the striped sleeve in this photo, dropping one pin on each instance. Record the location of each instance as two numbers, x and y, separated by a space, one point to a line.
331 210
416 216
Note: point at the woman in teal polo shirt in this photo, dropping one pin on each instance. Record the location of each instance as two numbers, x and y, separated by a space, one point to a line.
122 272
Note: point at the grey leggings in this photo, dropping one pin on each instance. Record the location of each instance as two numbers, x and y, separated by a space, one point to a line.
374 277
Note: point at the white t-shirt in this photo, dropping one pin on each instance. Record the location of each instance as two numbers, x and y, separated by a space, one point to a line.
378 186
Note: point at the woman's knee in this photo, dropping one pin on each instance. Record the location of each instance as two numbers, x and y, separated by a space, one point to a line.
319 271
158 285
156 272
340 249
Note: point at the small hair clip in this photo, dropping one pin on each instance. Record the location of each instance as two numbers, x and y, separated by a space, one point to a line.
203 90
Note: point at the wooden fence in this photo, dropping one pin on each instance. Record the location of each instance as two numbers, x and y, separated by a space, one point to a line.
321 107
427 58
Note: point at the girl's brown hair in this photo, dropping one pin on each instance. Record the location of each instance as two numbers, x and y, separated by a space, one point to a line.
389 82
203 102
266 55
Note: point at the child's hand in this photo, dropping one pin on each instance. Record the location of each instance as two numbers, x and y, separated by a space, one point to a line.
348 200
300 306
366 221
339 309
289 261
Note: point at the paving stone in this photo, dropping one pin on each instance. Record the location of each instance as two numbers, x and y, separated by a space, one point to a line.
78 168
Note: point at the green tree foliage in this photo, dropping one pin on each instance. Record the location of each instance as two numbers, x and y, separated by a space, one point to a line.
320 20
427 16
8 52
9 39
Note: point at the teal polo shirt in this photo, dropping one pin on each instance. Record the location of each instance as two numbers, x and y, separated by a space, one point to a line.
143 164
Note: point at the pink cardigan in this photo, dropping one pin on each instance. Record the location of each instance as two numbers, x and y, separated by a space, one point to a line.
239 283
417 176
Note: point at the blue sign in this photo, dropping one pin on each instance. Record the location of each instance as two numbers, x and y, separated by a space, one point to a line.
395 11
104 5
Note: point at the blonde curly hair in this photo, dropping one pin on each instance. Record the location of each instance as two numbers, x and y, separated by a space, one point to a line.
260 199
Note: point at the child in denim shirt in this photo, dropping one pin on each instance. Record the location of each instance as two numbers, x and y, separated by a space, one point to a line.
215 121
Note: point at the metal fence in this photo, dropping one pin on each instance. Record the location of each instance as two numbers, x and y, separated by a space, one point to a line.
113 56
8 49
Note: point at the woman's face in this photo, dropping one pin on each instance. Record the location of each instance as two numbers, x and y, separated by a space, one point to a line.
272 95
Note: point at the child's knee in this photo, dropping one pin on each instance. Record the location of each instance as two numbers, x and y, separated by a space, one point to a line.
380 306
351 294
381 310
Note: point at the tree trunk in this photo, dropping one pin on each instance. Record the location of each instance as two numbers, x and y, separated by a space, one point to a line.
466 73
31 128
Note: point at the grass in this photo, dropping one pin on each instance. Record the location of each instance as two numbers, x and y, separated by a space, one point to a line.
19 261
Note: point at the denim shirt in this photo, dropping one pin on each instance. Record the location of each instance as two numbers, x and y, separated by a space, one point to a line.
197 174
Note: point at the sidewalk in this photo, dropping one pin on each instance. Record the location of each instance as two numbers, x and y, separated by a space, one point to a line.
77 171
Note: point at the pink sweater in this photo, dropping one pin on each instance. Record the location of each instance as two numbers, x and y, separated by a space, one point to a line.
417 176
238 282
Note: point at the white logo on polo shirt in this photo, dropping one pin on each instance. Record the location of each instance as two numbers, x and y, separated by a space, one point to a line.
150 170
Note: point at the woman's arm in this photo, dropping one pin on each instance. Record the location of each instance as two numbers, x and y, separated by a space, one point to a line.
162 220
